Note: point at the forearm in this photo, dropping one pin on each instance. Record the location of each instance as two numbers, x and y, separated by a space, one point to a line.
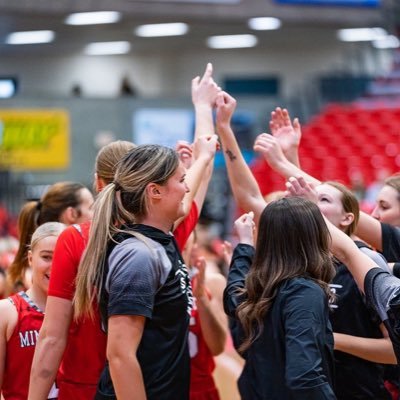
204 121
244 186
127 377
369 229
212 327
374 350
46 361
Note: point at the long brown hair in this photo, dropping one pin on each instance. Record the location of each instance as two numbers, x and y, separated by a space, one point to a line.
49 208
293 241
123 200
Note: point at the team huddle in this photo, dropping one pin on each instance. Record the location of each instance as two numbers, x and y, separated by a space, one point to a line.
111 299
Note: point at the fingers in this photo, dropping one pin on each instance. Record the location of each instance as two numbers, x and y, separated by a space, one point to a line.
208 72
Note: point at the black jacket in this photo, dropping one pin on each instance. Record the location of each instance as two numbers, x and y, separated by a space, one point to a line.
293 357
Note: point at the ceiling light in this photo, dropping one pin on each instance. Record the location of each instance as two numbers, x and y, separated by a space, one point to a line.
264 23
231 41
361 34
93 18
389 42
107 48
157 30
8 87
30 37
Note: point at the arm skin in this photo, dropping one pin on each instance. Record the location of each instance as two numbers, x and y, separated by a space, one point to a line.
124 336
50 347
244 186
204 93
8 321
374 350
213 322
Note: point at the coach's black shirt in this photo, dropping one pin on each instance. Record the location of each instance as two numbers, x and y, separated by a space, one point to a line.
147 277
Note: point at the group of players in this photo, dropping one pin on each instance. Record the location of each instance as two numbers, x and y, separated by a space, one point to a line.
112 301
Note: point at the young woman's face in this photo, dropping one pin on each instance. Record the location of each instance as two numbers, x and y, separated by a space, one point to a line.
40 259
174 191
387 207
85 207
330 204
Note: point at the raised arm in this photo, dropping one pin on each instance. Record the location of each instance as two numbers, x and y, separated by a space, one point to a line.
369 229
244 186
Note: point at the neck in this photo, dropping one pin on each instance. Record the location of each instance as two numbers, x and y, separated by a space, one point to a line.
38 296
158 223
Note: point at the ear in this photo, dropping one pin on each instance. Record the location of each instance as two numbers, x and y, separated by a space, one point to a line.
30 258
154 191
69 216
347 219
99 183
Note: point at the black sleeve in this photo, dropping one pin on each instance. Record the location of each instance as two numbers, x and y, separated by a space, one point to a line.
390 242
305 326
396 269
240 265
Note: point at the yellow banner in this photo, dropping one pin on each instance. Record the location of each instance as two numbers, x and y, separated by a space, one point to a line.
34 139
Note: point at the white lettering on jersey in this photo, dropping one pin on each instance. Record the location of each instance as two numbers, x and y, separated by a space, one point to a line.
28 338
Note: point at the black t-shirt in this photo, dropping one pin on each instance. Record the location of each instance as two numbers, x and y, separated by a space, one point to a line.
147 277
355 378
390 242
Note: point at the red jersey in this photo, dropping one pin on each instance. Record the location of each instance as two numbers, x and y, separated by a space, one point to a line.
85 353
21 347
202 385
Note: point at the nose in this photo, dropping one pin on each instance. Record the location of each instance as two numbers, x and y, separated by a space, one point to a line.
187 188
375 213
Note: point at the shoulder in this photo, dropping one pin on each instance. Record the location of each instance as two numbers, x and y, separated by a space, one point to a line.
303 293
9 317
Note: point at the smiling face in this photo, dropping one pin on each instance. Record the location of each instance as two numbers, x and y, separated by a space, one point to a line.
40 258
387 209
173 193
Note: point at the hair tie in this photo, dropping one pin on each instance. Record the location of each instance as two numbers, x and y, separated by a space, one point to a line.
39 205
117 186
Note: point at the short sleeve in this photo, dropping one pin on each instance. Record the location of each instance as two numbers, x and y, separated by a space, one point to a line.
67 254
136 272
186 227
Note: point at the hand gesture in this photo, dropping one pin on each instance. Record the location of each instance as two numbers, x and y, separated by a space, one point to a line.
205 146
301 188
226 106
245 227
270 149
185 152
287 133
205 90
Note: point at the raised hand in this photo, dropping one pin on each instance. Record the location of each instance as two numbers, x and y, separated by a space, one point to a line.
204 89
270 149
226 106
301 188
245 227
287 133
205 146
185 152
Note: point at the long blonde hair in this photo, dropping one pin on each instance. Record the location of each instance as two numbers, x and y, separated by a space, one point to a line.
123 200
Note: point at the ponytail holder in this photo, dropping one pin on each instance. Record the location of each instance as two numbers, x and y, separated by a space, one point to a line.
39 205
117 186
